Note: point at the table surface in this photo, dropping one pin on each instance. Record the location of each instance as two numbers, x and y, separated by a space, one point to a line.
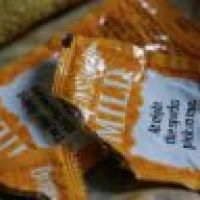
108 181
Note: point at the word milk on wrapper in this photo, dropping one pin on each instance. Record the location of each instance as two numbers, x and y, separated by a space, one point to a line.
52 172
148 109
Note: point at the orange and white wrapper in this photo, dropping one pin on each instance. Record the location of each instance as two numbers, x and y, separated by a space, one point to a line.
53 172
142 22
15 136
146 105
18 131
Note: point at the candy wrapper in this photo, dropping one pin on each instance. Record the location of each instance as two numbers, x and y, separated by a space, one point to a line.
31 118
145 104
142 99
142 22
15 137
52 172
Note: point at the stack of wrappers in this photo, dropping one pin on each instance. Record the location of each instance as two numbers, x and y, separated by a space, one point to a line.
128 73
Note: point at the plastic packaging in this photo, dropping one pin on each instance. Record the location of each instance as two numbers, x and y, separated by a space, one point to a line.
15 136
142 22
52 172
26 104
144 103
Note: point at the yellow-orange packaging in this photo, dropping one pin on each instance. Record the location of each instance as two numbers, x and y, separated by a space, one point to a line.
145 104
18 131
53 172
14 137
142 22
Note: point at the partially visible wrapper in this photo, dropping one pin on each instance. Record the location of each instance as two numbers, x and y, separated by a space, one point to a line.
53 172
24 91
15 137
144 103
142 22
